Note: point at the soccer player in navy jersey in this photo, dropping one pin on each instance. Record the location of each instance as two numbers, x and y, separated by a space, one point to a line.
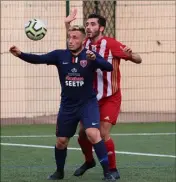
76 67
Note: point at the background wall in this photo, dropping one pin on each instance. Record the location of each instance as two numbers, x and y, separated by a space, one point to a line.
33 90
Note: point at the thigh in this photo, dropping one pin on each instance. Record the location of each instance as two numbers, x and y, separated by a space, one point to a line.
90 115
66 124
110 108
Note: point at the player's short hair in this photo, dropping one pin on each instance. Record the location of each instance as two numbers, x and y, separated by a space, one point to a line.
77 28
101 19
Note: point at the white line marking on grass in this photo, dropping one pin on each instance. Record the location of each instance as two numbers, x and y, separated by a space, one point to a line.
28 136
141 134
73 148
26 145
112 134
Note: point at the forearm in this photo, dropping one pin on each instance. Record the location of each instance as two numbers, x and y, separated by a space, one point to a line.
104 65
32 58
135 58
67 25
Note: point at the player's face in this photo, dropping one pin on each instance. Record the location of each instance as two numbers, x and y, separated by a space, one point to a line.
93 28
75 40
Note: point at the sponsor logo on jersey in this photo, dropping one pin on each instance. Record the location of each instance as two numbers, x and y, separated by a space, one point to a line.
73 70
74 81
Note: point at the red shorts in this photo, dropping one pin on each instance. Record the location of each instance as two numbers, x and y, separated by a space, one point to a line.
110 108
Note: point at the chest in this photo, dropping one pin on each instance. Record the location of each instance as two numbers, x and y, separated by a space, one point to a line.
75 67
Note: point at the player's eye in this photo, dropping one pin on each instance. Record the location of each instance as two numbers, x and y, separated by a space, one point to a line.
93 24
74 37
87 24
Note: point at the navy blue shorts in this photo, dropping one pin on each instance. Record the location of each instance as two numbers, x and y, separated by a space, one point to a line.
67 121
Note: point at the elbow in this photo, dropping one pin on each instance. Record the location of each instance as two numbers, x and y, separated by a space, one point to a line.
111 68
107 68
139 60
136 58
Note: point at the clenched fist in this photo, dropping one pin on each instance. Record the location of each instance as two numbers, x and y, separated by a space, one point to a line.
15 51
90 55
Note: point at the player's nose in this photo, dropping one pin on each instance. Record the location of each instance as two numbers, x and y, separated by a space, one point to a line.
87 29
70 42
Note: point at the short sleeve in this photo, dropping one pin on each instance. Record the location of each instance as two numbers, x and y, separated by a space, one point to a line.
115 47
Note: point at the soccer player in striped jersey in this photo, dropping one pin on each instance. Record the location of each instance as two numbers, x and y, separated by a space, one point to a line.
107 85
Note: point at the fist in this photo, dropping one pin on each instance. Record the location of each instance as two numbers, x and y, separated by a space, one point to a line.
90 55
15 51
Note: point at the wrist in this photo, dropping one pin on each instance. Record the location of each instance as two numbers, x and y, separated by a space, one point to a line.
19 54
130 57
67 22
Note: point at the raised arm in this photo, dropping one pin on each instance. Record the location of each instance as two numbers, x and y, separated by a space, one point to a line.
49 58
70 18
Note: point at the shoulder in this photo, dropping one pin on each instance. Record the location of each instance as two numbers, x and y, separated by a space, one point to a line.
87 39
112 41
61 51
87 42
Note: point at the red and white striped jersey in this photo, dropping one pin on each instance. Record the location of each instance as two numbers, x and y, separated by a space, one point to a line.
107 83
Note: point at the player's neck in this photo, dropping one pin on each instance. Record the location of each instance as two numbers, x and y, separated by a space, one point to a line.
75 53
95 39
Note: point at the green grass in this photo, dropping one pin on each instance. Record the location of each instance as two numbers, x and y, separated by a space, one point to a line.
26 164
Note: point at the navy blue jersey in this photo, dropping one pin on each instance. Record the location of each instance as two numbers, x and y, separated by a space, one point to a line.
76 73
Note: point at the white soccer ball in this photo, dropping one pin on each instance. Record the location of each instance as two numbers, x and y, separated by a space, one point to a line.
35 29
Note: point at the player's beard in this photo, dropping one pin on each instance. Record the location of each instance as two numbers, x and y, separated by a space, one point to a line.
95 34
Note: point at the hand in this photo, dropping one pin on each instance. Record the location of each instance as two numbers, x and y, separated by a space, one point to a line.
15 51
71 16
90 55
127 51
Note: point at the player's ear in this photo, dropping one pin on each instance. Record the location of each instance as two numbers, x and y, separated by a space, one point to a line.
102 29
84 39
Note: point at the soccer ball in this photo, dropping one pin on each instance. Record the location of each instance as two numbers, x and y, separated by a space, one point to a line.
35 29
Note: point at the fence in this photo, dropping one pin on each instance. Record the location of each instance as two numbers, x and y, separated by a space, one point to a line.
31 94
